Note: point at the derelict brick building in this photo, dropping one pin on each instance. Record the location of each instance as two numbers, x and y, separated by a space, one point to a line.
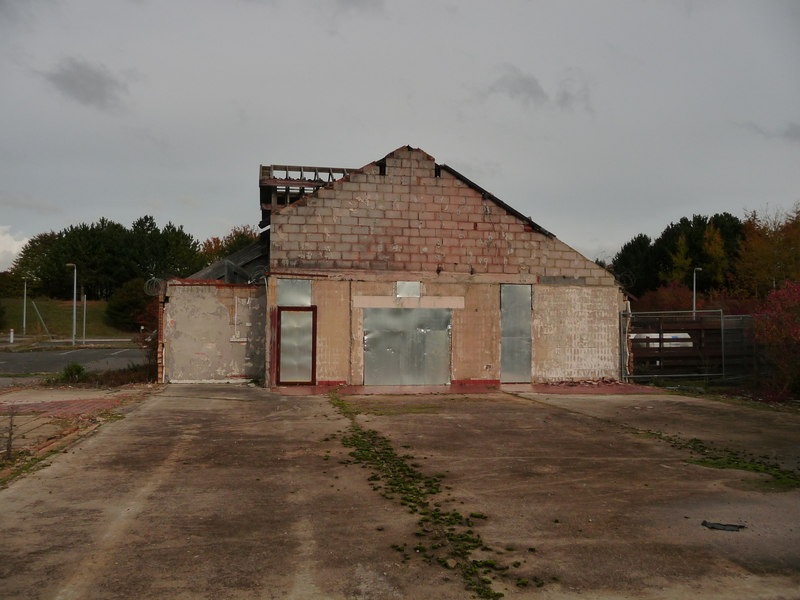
402 272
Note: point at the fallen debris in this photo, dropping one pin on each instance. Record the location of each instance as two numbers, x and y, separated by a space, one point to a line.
722 526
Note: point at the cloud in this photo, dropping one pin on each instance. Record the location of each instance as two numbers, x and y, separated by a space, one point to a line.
13 12
519 86
9 247
91 85
8 10
361 6
790 133
574 92
25 202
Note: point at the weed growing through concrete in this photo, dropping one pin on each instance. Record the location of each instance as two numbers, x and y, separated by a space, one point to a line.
9 453
28 466
724 458
444 537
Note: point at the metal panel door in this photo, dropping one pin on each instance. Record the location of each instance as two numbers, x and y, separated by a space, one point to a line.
406 346
297 343
515 326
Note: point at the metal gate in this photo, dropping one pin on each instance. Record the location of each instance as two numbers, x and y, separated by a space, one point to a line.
702 343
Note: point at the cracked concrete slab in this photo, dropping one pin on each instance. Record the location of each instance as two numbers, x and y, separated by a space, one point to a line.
235 492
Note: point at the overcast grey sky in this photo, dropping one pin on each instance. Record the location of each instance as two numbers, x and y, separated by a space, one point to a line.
599 119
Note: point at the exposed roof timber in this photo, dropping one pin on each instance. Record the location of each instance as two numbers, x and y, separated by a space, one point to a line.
292 180
293 183
489 196
295 175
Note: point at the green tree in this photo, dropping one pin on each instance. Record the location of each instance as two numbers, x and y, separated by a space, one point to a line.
715 258
32 260
127 305
164 253
102 253
643 265
147 247
731 229
9 285
633 265
107 255
680 263
180 253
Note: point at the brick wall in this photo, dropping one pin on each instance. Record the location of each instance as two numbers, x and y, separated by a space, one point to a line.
410 219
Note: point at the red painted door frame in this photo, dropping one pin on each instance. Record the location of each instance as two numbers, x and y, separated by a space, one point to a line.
313 311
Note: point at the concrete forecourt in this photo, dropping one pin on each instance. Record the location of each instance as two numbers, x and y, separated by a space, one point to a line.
228 491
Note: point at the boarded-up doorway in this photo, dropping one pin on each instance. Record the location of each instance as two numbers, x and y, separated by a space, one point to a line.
406 346
515 341
297 343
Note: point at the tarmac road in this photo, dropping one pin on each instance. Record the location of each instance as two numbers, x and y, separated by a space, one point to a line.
53 361
235 492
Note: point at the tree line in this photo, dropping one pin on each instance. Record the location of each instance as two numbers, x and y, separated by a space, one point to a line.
108 255
113 262
735 262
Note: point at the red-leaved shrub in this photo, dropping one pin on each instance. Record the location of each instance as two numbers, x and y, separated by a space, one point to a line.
777 330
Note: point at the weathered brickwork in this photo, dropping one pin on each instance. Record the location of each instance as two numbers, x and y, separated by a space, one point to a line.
409 219
575 333
400 219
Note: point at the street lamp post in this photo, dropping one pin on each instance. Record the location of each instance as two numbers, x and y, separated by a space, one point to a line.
24 306
83 294
74 300
694 290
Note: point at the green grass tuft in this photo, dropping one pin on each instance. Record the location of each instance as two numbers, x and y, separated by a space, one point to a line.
445 537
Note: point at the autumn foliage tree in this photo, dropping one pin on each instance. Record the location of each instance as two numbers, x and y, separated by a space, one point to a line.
777 329
740 261
671 296
710 243
215 248
770 253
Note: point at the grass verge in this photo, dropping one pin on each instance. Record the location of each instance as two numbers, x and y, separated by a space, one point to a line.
57 315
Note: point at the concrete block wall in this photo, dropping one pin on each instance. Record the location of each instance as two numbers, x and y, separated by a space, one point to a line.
575 333
398 215
213 332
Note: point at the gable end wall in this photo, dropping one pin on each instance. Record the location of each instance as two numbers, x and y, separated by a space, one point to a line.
411 220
